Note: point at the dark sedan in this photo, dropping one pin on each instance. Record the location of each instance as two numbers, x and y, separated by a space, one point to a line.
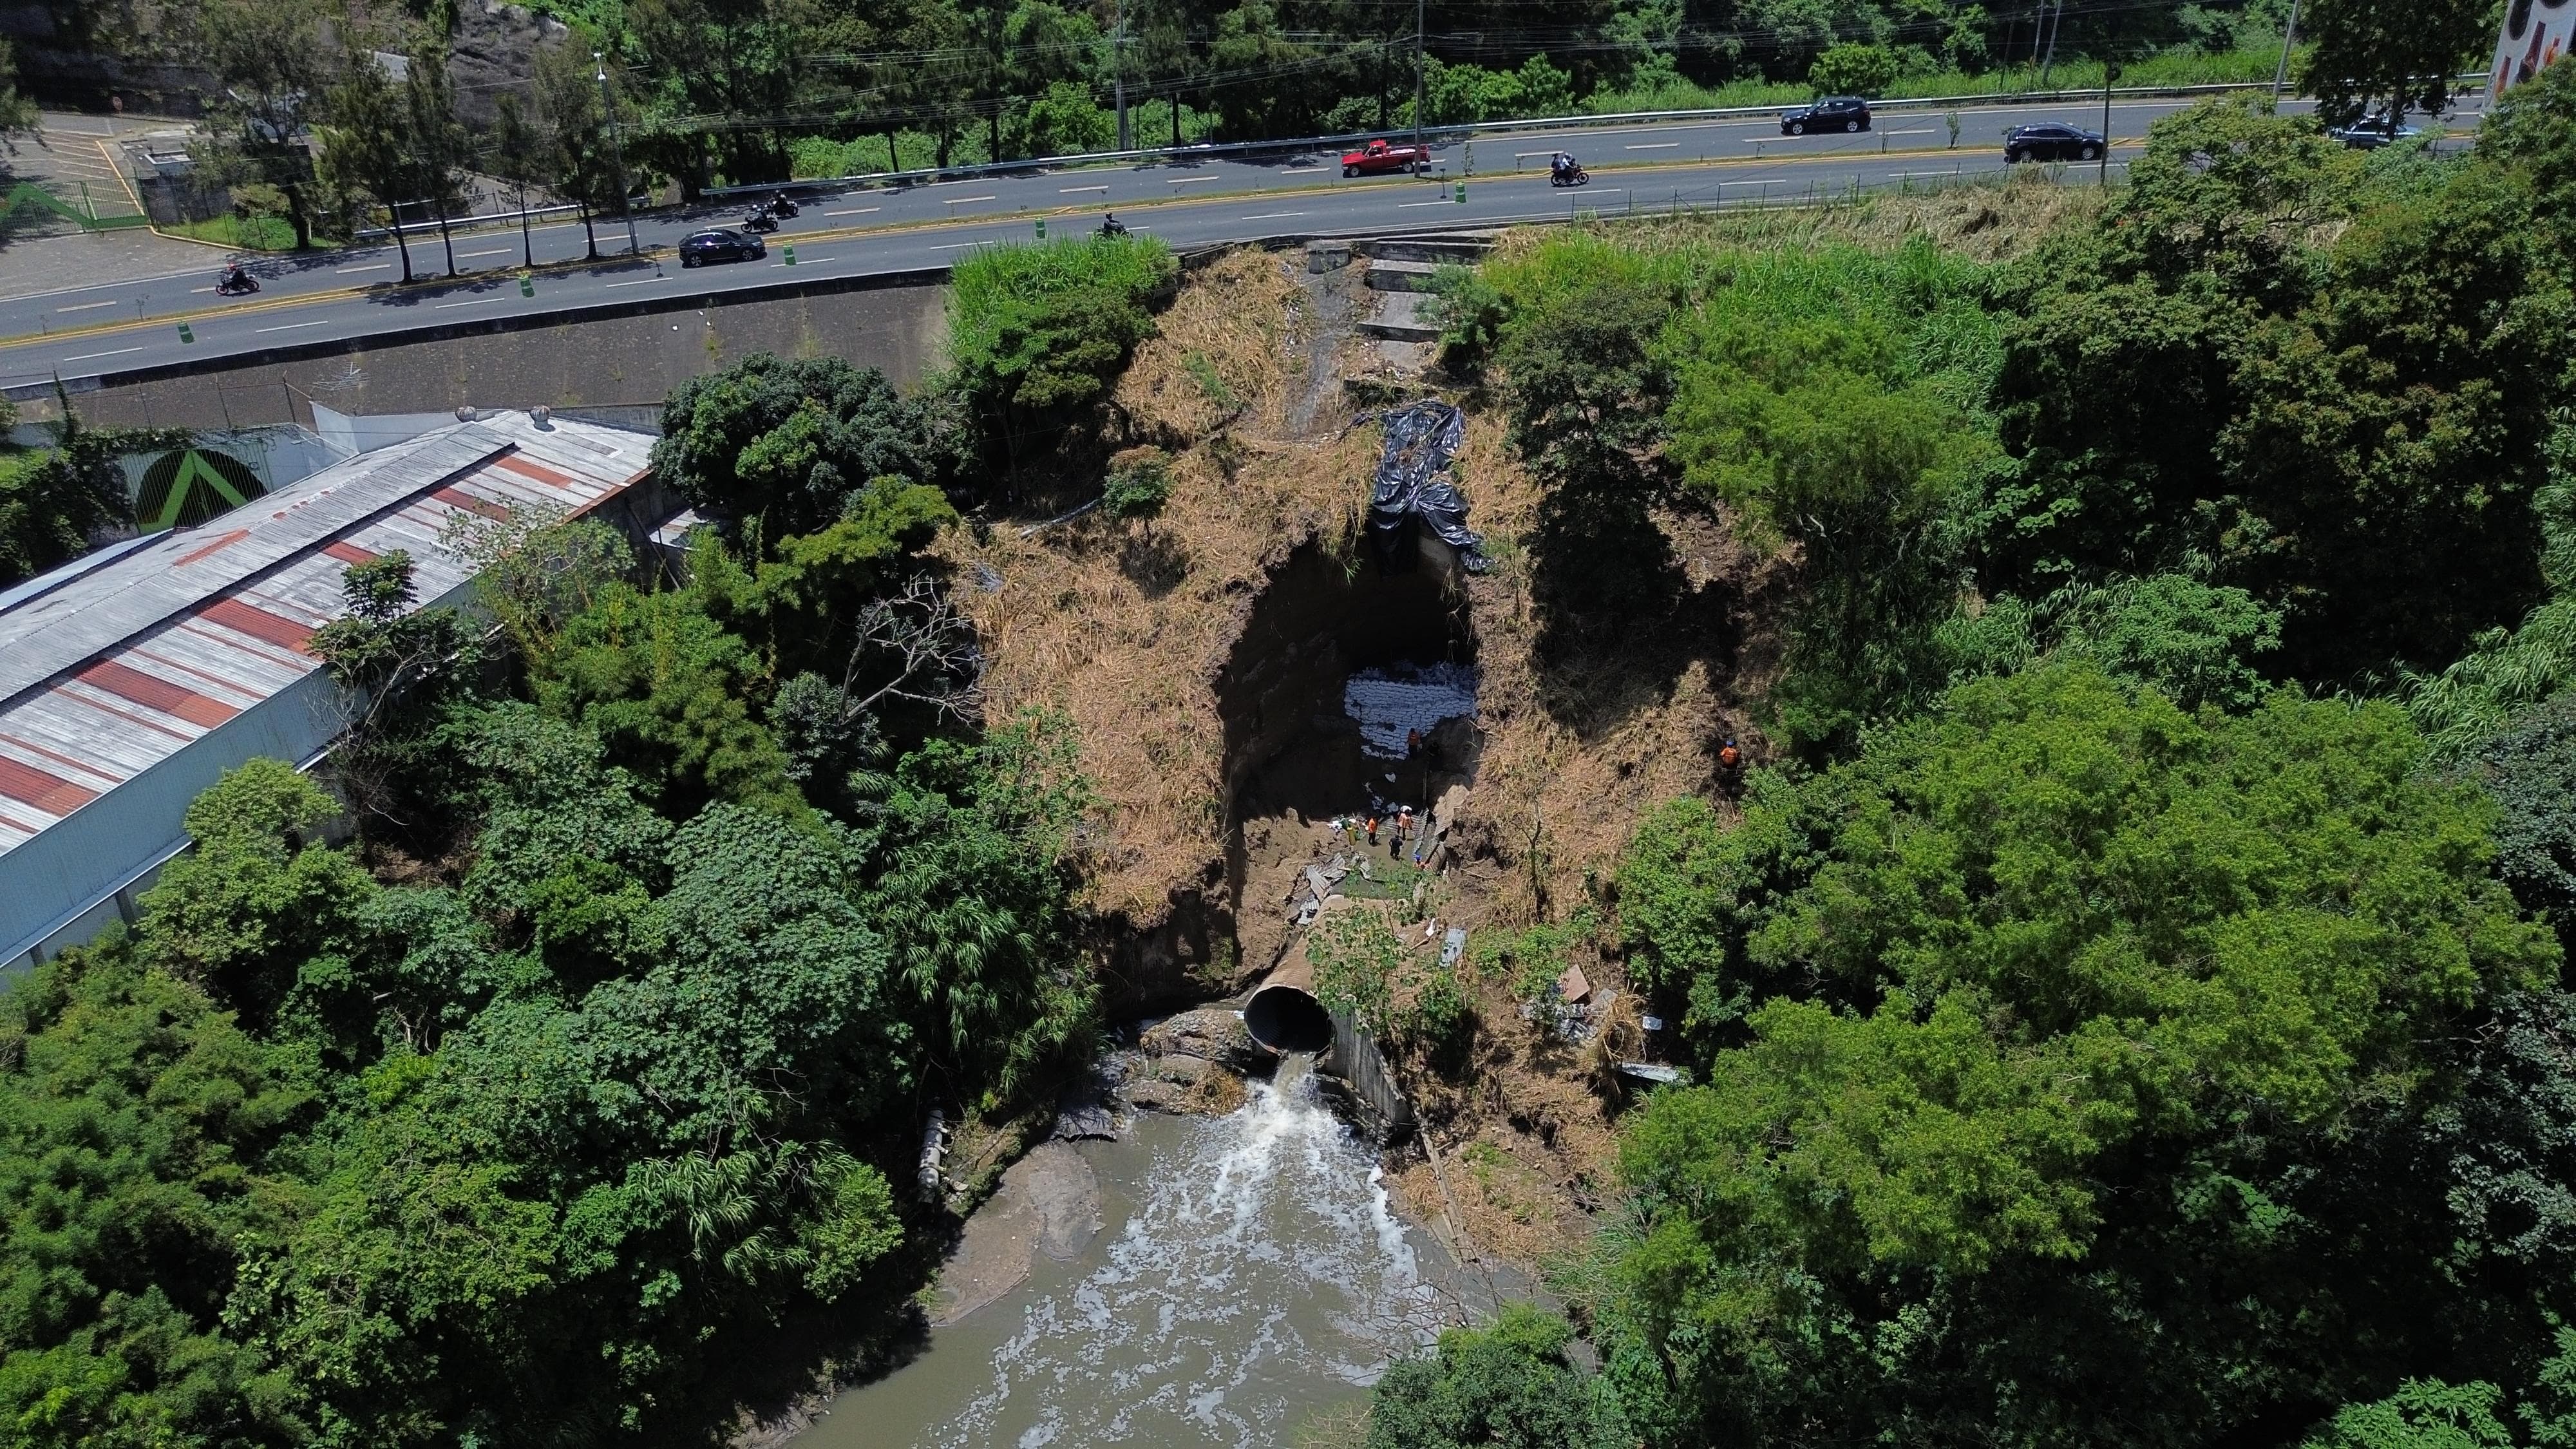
2052 141
2374 133
1833 113
721 244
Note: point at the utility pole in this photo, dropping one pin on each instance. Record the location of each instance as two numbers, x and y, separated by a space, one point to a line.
1118 73
2110 73
616 153
1417 80
2057 22
2289 33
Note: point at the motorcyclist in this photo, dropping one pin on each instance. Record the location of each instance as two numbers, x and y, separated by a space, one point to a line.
1561 165
780 206
235 279
1110 225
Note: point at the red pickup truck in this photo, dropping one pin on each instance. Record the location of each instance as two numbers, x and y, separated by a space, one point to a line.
1377 158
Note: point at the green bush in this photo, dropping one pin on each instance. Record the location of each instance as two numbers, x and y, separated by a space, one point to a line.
1853 70
1041 331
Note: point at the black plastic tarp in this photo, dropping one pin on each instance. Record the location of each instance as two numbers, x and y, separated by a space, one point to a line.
1413 482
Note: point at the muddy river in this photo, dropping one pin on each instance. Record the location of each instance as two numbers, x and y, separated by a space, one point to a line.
1248 1275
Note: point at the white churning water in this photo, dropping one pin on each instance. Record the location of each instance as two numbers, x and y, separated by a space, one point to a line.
1261 1259
1392 702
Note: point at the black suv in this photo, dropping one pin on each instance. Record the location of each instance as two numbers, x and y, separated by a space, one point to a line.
721 244
2051 141
1833 113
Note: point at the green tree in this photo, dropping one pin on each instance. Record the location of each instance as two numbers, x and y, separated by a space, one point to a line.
137 1126
366 156
1507 1384
782 448
1853 70
1139 484
2392 55
1036 334
434 138
269 57
575 137
518 155
2040 1039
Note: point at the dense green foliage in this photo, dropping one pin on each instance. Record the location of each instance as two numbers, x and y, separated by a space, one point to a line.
2049 993
518 1149
54 500
1508 1384
1036 334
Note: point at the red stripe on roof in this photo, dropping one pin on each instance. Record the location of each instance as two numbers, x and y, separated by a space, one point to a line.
539 471
15 823
349 553
128 716
257 623
30 786
220 544
154 692
66 761
235 686
455 497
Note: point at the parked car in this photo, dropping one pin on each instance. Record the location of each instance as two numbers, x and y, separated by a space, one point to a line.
2052 141
1833 113
721 244
2374 133
1377 158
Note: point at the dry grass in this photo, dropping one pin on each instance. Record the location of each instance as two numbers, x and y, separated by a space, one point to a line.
1986 221
1126 635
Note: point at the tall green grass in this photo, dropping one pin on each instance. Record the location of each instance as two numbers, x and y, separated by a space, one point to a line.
2251 65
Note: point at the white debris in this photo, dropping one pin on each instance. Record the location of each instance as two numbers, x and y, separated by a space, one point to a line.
1391 703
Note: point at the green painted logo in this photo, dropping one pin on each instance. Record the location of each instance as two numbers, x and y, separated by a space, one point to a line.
185 488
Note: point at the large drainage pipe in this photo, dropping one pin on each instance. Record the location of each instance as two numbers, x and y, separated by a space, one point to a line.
1283 1014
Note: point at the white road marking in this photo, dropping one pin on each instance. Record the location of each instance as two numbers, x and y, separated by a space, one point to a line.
291 326
193 290
89 306
964 200
494 252
1273 215
477 302
639 281
370 267
1301 170
808 262
1069 190
854 211
952 246
1186 180
1650 146
118 352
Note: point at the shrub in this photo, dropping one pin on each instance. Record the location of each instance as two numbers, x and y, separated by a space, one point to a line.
1854 70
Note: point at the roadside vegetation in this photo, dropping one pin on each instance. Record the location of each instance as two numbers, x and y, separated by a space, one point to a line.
2129 1006
577 1039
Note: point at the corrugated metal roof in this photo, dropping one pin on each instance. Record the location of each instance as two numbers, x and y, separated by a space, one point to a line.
125 663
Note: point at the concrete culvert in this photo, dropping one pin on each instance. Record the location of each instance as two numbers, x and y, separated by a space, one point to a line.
1283 1014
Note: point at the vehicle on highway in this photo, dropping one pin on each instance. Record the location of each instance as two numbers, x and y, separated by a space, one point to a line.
1564 170
781 206
758 219
1829 113
2052 141
721 244
233 281
2374 133
1378 158
1110 225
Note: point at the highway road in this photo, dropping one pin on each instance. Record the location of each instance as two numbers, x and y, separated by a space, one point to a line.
117 326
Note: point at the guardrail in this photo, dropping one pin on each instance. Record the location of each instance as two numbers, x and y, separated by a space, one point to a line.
1436 134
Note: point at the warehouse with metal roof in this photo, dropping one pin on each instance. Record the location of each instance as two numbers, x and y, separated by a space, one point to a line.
131 679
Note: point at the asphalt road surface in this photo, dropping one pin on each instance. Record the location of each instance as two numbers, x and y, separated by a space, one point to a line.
119 325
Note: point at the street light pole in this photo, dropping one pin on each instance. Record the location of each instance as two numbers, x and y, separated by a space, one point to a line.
616 153
2289 32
